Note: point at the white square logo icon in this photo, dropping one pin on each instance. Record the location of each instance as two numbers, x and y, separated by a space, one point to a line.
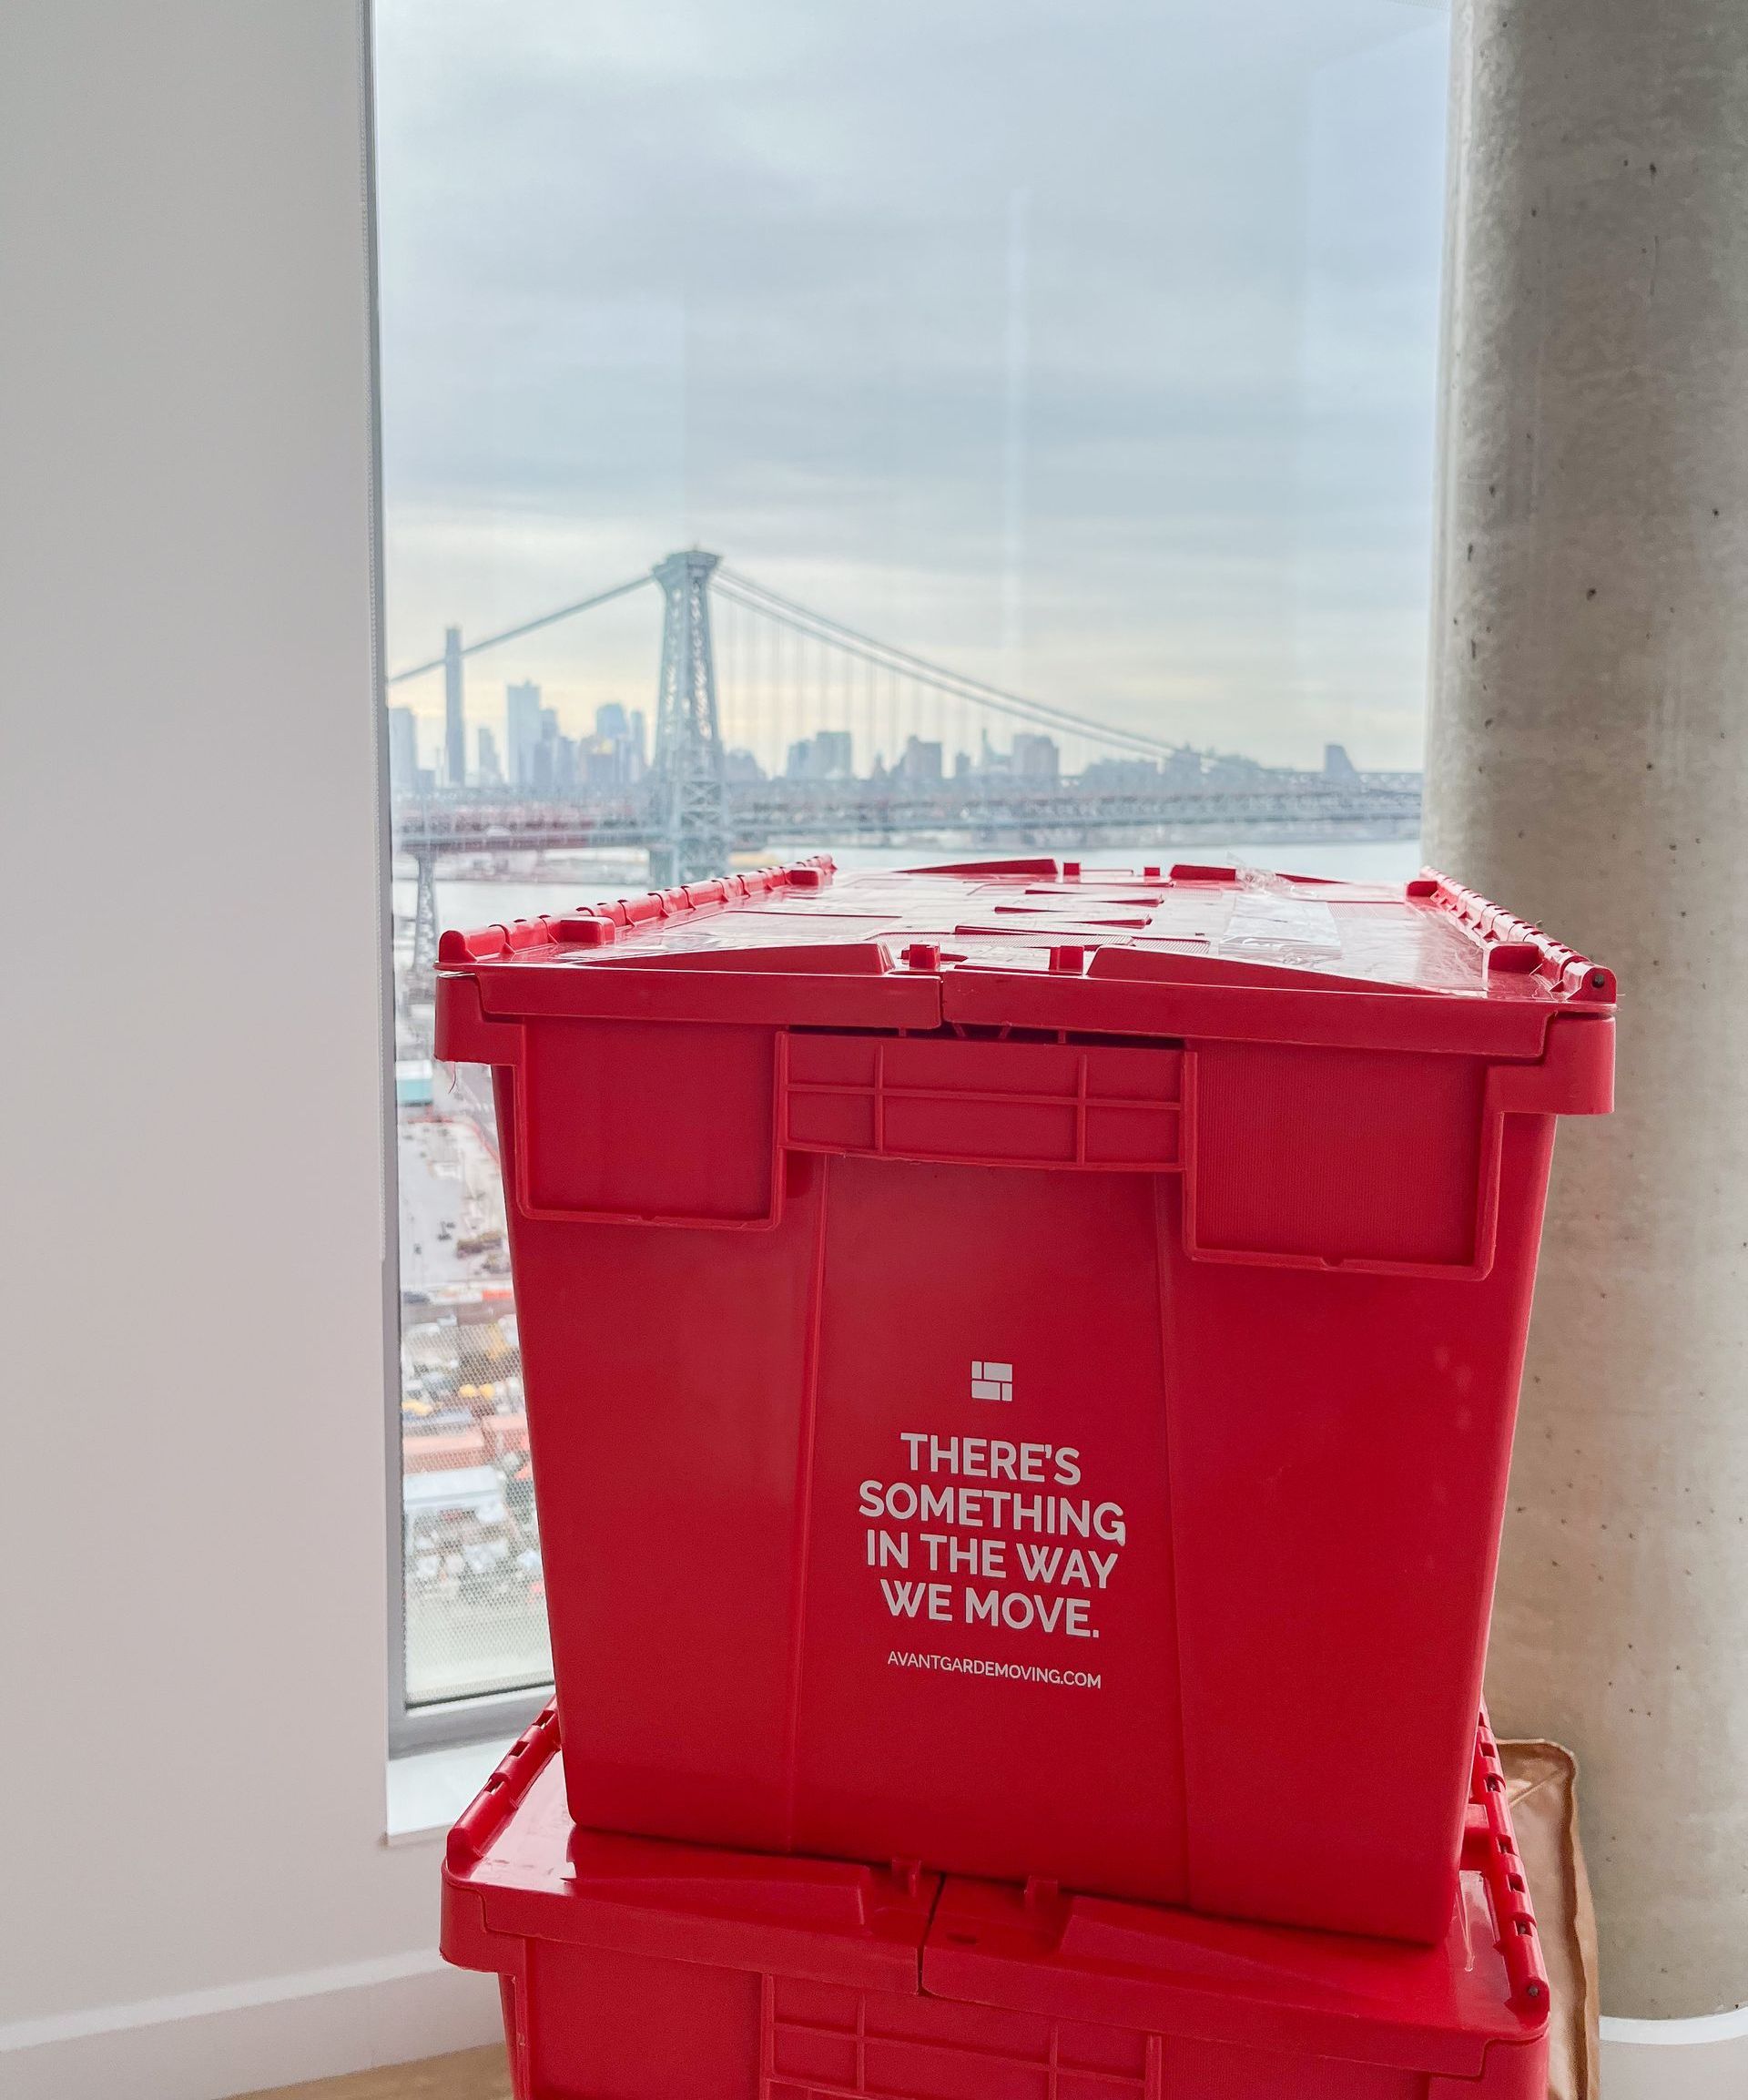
991 1380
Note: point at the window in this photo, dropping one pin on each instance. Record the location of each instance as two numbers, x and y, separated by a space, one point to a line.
1031 408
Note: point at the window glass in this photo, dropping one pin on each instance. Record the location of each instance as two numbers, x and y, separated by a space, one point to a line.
1052 384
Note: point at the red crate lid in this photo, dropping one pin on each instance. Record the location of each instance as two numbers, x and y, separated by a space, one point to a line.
1434 2010
518 1871
1183 952
517 1866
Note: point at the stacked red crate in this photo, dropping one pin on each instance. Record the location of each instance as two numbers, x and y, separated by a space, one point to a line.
1021 1365
1020 1360
641 1969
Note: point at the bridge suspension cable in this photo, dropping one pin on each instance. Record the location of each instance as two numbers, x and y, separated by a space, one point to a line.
903 663
526 627
805 624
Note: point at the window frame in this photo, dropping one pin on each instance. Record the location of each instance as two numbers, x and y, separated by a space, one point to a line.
480 1716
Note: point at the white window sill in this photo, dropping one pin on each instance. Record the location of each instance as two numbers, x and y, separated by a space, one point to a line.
429 1789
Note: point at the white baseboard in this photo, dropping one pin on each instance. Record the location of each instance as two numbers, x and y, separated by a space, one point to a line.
209 2045
1701 2059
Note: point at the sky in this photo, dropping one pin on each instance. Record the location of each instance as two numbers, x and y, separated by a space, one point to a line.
1085 346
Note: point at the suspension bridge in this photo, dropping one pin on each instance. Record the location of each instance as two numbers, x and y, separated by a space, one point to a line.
777 724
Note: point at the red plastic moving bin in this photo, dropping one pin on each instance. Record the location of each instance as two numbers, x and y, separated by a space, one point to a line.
1022 1360
647 1969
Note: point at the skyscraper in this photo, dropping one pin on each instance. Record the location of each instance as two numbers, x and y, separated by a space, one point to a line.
919 760
827 754
487 766
521 713
454 711
607 759
1036 757
403 751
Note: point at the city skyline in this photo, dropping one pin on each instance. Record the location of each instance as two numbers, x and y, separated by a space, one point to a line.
826 756
839 679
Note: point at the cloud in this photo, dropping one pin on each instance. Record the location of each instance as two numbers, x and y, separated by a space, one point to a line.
746 274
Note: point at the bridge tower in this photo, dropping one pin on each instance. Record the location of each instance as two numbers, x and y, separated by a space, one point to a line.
421 988
692 831
454 712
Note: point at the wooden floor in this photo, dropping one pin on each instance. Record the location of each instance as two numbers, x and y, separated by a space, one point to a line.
479 2074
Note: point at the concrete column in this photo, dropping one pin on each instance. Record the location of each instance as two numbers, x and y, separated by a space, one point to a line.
1588 767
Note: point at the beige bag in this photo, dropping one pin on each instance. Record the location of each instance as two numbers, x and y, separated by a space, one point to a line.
1541 1786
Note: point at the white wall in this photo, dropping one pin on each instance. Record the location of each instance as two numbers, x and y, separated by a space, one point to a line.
193 1625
